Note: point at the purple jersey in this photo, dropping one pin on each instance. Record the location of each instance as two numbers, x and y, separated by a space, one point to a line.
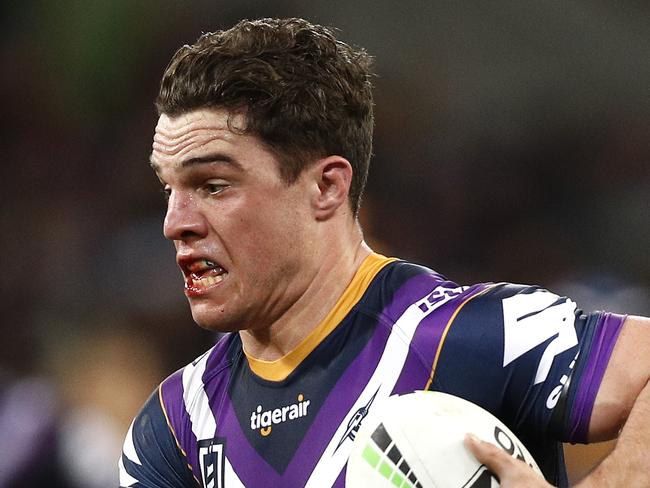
227 420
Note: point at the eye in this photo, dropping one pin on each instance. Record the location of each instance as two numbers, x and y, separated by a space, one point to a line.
166 191
215 187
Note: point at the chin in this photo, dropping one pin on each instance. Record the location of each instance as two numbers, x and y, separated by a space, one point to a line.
213 318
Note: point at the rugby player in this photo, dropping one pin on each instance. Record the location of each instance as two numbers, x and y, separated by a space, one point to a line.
262 148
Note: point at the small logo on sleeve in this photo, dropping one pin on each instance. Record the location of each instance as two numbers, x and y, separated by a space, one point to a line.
264 420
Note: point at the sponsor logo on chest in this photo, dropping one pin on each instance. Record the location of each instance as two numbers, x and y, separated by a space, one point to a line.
264 420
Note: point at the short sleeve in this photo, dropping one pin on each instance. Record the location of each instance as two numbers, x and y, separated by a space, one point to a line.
531 357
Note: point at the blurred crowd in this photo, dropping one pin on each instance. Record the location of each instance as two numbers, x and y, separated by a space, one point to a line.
512 143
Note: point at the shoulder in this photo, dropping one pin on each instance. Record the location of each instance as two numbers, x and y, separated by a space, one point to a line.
499 334
483 305
402 271
179 390
406 286
511 319
508 302
159 441
151 456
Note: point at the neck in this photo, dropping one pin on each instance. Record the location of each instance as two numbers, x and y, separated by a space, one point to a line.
336 268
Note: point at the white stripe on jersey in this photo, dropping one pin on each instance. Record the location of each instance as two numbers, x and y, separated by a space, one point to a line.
126 479
383 379
128 450
196 400
129 447
197 405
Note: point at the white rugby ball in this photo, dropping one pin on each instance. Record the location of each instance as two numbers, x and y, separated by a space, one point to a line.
416 441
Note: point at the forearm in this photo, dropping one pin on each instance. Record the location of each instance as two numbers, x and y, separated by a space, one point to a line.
628 465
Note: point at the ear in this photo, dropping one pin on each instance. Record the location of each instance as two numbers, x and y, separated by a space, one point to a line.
332 177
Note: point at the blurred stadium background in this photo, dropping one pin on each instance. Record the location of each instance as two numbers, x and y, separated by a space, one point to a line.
512 143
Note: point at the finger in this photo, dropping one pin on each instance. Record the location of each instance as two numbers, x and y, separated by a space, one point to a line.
497 460
510 471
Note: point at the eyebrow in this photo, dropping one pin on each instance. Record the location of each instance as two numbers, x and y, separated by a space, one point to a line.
214 158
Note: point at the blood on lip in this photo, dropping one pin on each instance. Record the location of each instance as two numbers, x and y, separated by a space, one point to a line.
193 285
191 290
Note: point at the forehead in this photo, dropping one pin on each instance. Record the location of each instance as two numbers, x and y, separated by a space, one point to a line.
192 135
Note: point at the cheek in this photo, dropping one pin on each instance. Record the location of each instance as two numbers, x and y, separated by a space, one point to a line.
263 231
248 233
274 244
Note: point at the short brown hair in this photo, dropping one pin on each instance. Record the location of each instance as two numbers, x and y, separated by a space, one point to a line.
304 93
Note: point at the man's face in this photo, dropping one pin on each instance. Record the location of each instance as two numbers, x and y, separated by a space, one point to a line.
241 233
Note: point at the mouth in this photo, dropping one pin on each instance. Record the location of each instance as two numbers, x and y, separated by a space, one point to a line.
201 275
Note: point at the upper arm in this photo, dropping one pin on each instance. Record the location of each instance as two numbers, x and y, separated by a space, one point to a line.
151 457
537 359
523 342
627 373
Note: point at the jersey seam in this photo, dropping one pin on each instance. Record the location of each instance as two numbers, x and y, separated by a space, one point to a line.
388 323
173 432
443 337
221 369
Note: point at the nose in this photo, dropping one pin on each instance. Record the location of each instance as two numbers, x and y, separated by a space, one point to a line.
183 221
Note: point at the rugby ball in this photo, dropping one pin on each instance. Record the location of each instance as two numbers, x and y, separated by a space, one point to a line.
416 441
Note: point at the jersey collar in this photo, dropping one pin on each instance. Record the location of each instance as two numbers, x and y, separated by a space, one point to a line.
279 369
